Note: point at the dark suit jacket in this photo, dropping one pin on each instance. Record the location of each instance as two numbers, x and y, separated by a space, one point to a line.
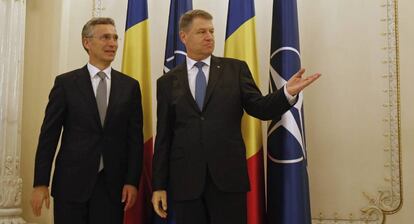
72 106
190 141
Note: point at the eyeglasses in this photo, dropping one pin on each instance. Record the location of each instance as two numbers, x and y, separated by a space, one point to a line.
106 37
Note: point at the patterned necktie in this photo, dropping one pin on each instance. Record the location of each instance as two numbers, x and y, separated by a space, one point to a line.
200 85
101 101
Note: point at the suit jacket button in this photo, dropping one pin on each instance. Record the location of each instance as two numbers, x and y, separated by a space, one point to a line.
202 118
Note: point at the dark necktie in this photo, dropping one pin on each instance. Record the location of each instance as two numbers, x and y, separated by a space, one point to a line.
200 85
101 97
101 101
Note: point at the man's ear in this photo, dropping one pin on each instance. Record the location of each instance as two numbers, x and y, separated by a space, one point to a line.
183 37
85 43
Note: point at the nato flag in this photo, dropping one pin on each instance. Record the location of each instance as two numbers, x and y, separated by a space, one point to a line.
287 178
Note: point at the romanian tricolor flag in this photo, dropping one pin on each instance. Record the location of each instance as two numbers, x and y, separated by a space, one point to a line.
241 44
136 64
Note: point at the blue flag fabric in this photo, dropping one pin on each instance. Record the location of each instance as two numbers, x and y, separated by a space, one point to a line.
287 178
174 49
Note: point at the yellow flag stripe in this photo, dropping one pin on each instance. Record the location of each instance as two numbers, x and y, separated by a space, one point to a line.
136 64
242 45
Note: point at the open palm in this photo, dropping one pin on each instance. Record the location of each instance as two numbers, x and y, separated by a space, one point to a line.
297 83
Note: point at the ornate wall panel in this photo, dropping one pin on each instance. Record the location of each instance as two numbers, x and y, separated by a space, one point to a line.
353 118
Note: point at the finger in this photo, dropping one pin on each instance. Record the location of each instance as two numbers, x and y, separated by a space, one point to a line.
130 199
47 202
312 78
124 194
300 73
163 212
33 207
154 203
164 203
37 207
36 211
133 199
309 80
157 208
128 202
159 211
316 75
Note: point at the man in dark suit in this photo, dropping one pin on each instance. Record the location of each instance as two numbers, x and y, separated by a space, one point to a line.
199 153
99 162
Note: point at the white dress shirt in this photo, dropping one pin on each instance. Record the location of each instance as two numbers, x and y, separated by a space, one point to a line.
93 71
192 71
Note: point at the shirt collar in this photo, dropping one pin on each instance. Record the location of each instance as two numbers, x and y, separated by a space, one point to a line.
94 70
191 62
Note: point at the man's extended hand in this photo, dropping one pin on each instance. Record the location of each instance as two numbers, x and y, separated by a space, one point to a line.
297 83
40 194
159 201
129 196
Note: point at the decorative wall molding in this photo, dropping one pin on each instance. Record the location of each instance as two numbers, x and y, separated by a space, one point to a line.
12 29
97 8
10 185
388 200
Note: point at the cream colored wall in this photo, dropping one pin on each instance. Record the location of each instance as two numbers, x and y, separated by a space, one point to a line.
53 46
346 134
41 54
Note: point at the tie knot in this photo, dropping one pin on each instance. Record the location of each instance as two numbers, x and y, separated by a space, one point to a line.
199 64
101 75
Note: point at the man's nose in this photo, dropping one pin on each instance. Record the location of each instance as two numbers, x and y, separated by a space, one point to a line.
113 42
209 36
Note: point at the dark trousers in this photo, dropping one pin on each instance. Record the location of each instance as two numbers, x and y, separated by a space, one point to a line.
99 209
213 207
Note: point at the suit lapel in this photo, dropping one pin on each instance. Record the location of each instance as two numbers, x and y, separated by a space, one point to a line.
182 76
214 76
84 83
113 96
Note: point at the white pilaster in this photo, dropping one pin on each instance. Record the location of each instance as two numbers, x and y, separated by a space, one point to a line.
12 30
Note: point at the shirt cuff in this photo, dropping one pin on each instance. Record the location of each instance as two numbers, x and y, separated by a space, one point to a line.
291 99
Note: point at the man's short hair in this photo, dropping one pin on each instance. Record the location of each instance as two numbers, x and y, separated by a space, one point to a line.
88 27
87 30
187 18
